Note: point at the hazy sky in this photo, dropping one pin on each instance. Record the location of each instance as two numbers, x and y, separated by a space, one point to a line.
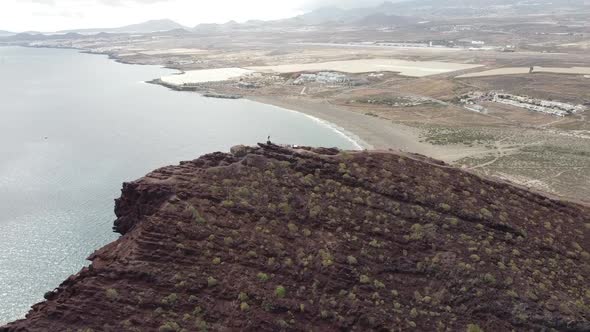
53 15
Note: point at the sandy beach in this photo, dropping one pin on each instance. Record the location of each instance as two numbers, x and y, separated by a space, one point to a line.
369 132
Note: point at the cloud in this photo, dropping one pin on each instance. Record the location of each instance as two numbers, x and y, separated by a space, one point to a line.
61 3
128 2
44 2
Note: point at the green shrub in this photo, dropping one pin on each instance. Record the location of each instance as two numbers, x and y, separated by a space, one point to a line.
292 227
417 232
452 221
445 207
196 215
486 213
169 327
262 276
243 297
473 328
378 284
315 211
201 325
112 294
280 292
489 278
327 259
211 282
228 204
228 240
285 208
170 299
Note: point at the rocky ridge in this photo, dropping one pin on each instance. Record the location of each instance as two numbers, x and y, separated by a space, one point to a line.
273 238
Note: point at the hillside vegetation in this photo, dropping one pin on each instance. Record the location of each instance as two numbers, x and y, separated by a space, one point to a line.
271 238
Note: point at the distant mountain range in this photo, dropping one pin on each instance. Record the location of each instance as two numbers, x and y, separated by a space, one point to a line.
386 14
382 15
145 27
408 12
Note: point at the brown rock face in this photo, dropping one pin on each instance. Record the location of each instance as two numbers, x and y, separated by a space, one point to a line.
272 238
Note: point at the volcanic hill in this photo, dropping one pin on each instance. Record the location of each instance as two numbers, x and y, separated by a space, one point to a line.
271 238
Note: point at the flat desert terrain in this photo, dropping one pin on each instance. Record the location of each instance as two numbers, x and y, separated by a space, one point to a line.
205 75
403 67
525 70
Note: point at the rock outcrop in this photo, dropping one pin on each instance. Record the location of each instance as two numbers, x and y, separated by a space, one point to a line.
272 238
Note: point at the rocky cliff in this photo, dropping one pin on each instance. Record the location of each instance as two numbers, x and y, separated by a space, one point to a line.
270 238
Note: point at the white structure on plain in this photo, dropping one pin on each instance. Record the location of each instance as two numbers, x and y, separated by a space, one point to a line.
472 99
538 105
323 77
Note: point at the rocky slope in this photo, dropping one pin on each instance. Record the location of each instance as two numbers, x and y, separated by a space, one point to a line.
271 238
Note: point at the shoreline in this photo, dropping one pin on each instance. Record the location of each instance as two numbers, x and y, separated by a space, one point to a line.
369 132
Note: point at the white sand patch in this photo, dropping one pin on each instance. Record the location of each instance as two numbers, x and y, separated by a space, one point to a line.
426 49
179 51
499 71
525 70
206 75
405 68
583 44
572 70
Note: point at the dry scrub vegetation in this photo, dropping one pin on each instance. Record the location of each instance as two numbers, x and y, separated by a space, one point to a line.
272 238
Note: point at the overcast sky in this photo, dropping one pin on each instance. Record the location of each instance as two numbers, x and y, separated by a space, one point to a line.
53 15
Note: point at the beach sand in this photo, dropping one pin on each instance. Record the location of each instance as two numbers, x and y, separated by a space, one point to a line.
205 75
369 132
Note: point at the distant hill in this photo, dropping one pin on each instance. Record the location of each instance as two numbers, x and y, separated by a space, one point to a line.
385 20
145 27
408 12
228 26
405 13
6 33
384 14
480 8
24 36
